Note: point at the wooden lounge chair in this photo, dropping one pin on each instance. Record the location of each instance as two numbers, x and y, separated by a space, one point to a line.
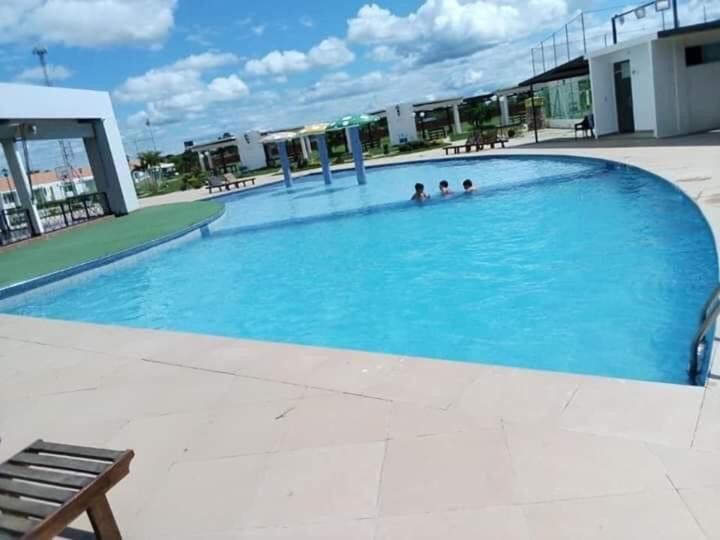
491 138
47 486
230 178
586 126
216 182
469 143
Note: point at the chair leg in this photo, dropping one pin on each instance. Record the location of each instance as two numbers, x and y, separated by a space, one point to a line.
103 521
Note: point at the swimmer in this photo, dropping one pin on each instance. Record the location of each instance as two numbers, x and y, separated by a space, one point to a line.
445 188
468 186
419 194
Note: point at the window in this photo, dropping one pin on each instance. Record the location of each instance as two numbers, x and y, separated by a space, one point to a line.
9 198
702 54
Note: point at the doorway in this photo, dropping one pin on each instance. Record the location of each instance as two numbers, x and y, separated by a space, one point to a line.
624 97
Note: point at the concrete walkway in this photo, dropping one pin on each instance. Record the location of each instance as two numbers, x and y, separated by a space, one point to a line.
253 440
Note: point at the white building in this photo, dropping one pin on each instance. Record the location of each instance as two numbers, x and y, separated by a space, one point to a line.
665 83
47 186
245 149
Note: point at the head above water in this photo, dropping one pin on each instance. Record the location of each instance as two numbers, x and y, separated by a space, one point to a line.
419 188
467 184
444 184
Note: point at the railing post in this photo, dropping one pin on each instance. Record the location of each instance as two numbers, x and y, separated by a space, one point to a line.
567 41
87 212
582 23
554 51
65 219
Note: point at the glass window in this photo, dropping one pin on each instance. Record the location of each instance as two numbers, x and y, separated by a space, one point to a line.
702 54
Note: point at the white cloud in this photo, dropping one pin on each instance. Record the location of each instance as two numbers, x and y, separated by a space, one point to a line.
341 84
384 53
178 90
331 52
464 80
87 23
443 29
258 30
56 73
307 21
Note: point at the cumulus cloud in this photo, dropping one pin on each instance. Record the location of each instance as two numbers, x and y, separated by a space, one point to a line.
341 84
329 53
466 79
307 21
177 90
444 29
87 23
56 73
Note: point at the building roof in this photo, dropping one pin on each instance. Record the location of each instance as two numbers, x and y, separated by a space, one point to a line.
574 68
702 27
41 178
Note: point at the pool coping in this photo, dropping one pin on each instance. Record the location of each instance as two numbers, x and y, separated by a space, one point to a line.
27 285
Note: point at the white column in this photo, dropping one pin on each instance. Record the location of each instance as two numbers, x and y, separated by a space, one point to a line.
22 184
504 111
110 169
456 119
209 156
202 161
304 149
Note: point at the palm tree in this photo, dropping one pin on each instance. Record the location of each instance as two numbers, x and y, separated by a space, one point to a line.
150 159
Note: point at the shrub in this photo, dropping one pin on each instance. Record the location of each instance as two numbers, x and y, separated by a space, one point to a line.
386 149
511 133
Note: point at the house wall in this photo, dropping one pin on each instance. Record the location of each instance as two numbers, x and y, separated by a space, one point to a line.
251 150
685 96
401 123
603 88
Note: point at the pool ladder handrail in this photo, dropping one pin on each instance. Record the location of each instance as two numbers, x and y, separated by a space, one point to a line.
710 314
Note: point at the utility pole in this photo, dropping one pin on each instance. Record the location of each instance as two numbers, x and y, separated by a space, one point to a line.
66 151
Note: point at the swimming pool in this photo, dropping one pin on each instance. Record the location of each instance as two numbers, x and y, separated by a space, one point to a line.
562 264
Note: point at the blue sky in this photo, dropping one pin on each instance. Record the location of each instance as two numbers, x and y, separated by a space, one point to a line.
196 69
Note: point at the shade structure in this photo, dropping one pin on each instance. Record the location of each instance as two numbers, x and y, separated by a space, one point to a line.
281 138
351 120
318 131
353 123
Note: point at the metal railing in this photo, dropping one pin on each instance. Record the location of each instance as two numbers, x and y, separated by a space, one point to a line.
699 348
73 210
15 225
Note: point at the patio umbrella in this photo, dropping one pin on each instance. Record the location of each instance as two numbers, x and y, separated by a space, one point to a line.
318 131
353 123
281 138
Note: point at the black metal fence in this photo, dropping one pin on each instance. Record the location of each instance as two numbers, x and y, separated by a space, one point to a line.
73 210
15 225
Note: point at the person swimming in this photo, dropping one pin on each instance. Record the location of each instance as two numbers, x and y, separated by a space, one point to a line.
445 188
468 186
419 194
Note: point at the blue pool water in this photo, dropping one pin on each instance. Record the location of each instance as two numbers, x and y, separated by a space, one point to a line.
559 264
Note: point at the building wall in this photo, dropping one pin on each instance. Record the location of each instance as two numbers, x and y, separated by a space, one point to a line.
603 88
252 152
685 96
401 123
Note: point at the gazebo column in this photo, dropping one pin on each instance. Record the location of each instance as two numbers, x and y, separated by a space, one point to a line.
504 111
285 162
22 185
348 139
357 154
324 158
456 119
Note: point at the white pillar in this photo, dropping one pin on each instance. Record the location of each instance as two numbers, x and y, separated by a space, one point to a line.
456 119
209 156
110 169
357 154
22 184
504 111
303 147
202 161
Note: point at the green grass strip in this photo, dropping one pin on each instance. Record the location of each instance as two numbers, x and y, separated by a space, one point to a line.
87 242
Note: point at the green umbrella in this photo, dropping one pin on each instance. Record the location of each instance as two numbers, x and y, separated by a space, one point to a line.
351 121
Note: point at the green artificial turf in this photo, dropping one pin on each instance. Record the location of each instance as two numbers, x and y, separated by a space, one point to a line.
84 243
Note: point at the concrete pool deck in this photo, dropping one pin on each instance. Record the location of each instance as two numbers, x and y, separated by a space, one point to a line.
253 440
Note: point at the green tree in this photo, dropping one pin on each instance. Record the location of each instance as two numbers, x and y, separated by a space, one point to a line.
148 159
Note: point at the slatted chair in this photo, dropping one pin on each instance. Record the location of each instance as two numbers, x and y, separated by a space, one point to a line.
46 486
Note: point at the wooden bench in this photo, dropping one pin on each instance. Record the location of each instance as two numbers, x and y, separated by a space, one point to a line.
217 182
46 486
469 143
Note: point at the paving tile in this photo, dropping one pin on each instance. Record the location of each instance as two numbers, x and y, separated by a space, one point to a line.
501 523
409 420
351 371
689 468
556 464
446 472
707 436
703 504
335 419
359 529
318 484
202 498
656 516
245 390
249 429
659 413
518 395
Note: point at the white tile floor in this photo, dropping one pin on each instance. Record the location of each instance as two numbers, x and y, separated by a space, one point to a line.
249 440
